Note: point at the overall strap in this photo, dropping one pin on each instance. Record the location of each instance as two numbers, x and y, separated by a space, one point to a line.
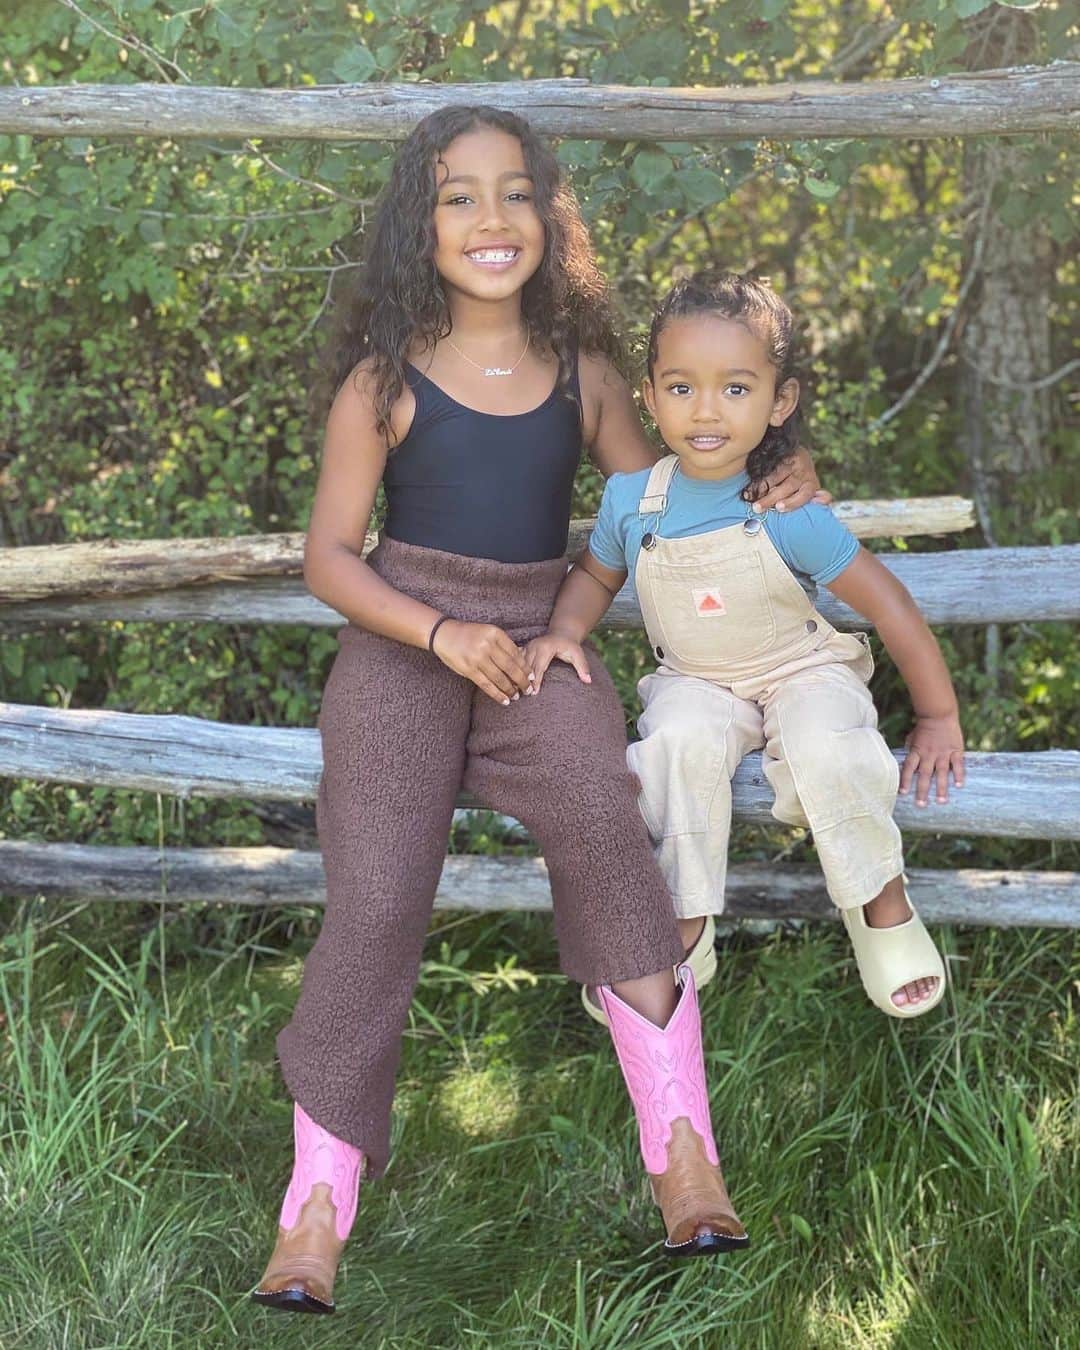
654 502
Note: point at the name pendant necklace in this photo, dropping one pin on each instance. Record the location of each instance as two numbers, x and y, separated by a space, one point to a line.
492 370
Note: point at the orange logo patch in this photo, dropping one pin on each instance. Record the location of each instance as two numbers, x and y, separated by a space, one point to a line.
709 604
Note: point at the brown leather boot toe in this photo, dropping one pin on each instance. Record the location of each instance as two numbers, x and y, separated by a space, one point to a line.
694 1200
304 1262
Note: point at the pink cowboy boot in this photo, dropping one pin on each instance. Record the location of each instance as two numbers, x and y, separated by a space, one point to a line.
316 1216
665 1073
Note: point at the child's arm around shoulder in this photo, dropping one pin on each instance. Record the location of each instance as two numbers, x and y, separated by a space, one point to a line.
936 743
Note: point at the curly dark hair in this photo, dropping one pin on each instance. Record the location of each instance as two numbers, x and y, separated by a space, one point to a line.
751 302
399 296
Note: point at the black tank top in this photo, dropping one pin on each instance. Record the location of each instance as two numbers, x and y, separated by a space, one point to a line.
485 485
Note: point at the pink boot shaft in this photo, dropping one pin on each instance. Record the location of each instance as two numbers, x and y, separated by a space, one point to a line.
664 1071
322 1157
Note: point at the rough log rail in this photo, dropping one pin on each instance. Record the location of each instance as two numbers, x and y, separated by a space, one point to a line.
1035 796
278 876
968 586
126 566
990 102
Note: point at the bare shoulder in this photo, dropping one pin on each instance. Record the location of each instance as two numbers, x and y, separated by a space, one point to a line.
612 426
600 377
601 385
353 408
353 461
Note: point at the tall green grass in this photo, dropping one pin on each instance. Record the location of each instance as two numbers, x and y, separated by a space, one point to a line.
905 1184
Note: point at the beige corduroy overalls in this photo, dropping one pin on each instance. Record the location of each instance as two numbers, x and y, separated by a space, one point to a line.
748 662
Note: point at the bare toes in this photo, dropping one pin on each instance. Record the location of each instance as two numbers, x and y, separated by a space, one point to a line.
918 991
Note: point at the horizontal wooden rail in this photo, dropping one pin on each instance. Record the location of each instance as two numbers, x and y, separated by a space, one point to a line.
277 876
1024 795
972 586
987 102
126 566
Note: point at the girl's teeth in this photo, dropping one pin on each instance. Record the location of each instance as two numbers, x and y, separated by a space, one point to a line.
494 255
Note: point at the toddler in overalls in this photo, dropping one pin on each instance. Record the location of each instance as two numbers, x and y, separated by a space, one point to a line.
746 660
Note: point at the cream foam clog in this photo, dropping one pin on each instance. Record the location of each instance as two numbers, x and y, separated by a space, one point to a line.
889 958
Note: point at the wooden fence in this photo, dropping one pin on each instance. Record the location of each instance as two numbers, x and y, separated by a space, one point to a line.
257 580
985 103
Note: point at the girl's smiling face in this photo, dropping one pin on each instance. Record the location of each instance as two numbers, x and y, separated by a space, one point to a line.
713 393
489 234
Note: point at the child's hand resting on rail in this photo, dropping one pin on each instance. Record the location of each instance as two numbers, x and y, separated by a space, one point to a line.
935 745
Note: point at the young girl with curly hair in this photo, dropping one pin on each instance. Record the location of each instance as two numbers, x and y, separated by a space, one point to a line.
476 361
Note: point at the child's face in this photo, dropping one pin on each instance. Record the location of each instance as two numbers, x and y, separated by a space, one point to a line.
713 393
489 235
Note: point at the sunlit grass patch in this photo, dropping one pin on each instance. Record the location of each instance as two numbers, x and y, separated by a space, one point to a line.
480 1103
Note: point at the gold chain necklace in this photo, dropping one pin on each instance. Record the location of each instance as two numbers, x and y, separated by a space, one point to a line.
491 370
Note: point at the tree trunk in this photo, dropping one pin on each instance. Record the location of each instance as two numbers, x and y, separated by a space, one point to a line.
1004 344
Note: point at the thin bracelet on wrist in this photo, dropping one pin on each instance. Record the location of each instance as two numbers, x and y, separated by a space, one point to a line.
434 629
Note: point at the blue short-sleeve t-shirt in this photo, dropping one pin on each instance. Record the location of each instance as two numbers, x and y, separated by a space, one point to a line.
814 544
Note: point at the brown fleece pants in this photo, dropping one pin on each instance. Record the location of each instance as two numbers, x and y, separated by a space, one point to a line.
401 733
